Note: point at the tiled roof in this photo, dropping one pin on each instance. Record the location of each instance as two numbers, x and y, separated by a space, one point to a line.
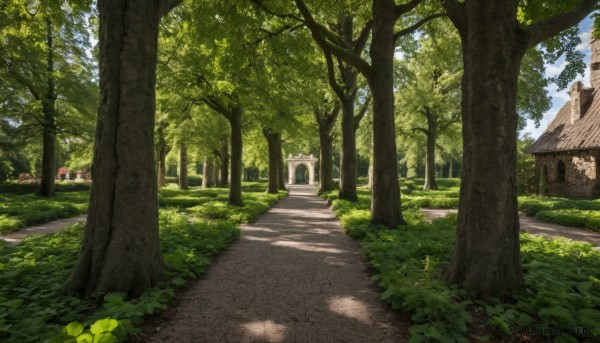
561 135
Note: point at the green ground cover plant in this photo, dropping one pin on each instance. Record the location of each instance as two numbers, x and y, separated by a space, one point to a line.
531 205
32 274
588 219
562 285
17 211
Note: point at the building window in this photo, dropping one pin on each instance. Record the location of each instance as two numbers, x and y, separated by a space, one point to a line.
561 171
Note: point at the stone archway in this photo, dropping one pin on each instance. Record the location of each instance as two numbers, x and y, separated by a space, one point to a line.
307 161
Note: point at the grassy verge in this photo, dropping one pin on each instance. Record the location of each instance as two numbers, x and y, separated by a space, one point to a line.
32 309
17 211
561 283
567 212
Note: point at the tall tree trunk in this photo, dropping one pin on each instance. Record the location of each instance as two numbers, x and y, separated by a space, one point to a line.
348 173
326 120
273 184
385 205
183 164
207 173
430 183
49 122
280 165
224 167
121 250
486 257
235 187
326 162
450 169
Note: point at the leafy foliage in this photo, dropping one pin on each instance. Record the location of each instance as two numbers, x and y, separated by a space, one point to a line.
561 284
32 274
17 211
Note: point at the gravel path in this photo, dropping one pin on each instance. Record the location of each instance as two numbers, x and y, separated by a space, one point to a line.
538 227
293 276
42 229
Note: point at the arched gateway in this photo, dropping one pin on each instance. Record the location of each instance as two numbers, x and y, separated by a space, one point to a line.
301 160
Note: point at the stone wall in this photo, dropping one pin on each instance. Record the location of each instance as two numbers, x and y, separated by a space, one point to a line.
581 174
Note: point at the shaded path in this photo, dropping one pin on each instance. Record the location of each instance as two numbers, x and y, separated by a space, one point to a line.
42 229
293 276
537 227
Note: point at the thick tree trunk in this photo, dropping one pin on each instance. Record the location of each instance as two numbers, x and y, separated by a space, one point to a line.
183 164
486 257
235 187
326 162
207 173
348 173
430 183
121 250
49 122
273 184
385 205
224 167
280 165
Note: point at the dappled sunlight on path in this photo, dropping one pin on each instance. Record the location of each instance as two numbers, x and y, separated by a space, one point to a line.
293 276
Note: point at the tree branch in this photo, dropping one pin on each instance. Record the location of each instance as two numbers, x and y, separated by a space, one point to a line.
331 76
361 113
363 37
407 7
456 13
543 30
217 106
416 26
283 16
316 30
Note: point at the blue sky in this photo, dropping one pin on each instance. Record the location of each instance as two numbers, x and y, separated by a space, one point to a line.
559 98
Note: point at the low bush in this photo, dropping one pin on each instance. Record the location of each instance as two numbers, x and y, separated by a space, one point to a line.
531 205
27 188
577 218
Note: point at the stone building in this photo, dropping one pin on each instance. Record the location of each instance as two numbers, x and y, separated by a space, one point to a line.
567 154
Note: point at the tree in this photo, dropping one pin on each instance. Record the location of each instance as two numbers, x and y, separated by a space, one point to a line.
385 204
495 36
121 250
429 99
42 50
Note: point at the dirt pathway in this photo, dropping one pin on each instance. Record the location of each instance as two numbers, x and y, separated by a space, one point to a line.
42 229
293 276
538 227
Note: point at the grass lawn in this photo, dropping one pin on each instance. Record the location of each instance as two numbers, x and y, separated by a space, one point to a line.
562 282
33 273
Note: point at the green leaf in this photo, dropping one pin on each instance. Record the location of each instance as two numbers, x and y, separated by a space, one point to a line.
73 329
105 337
85 338
178 281
103 325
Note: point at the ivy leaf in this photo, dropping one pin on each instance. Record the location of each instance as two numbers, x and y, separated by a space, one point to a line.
103 325
74 329
85 338
105 337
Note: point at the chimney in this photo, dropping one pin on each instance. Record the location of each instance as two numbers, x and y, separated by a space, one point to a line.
580 100
595 64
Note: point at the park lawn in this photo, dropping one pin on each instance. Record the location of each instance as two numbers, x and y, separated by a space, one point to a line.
32 274
562 284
